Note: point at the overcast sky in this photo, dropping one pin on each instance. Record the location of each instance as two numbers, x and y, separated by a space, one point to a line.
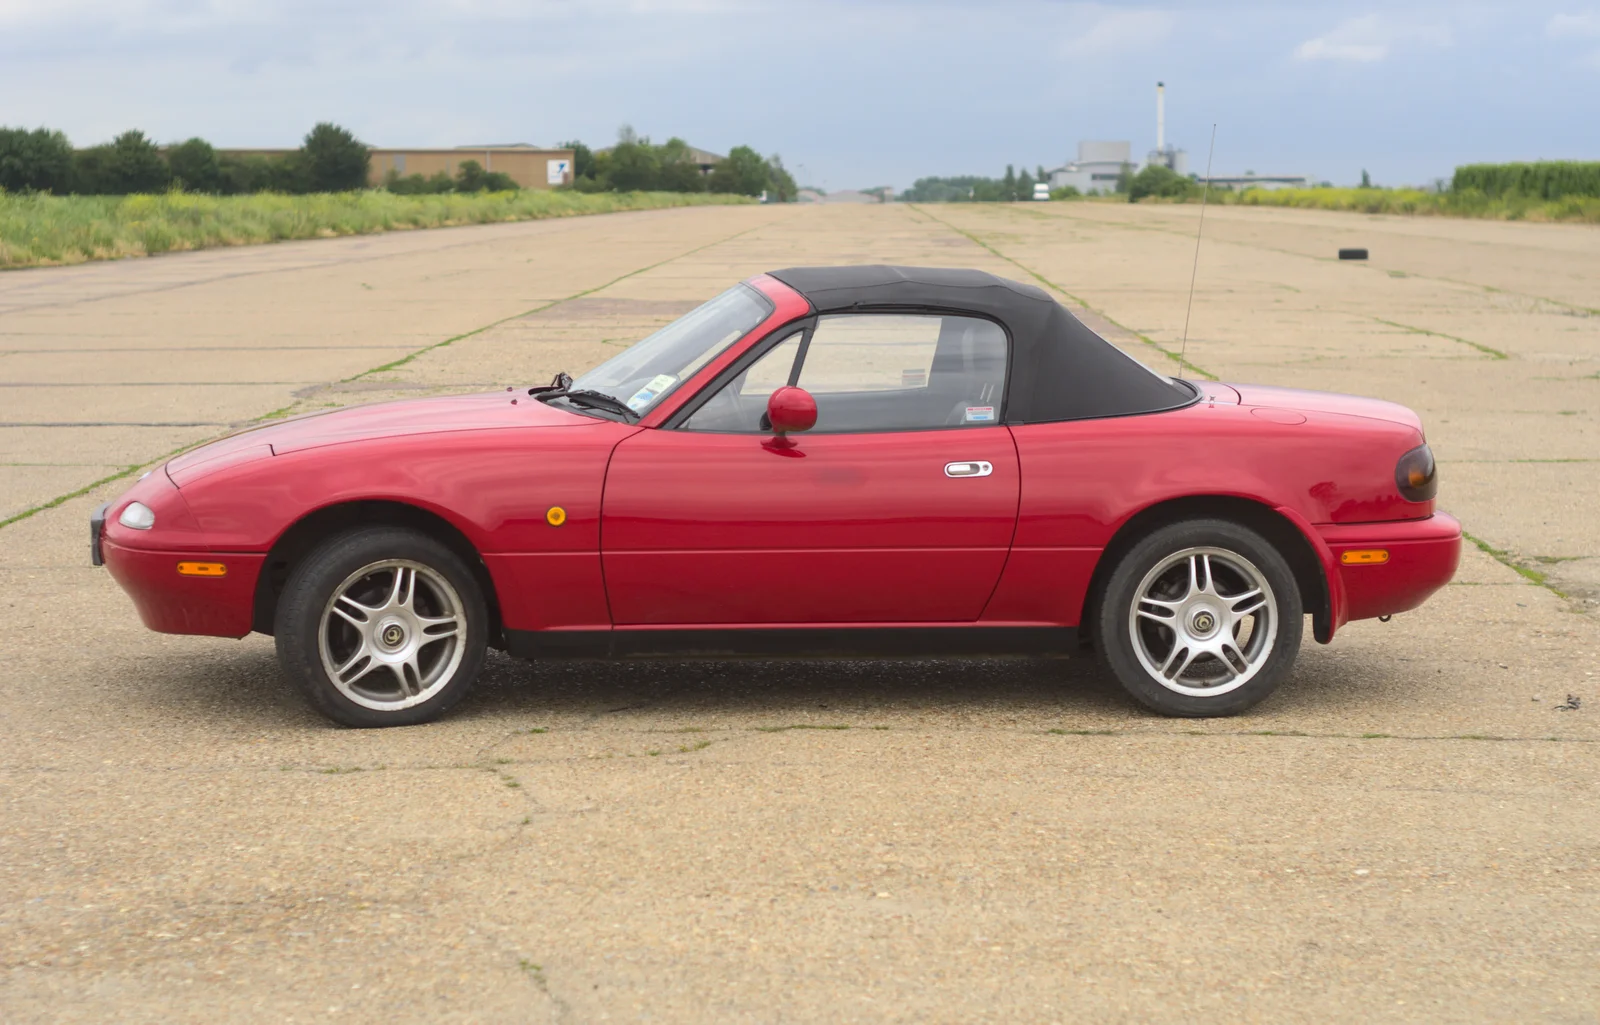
851 94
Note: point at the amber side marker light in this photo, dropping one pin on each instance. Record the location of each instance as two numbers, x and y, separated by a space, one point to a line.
202 569
1365 557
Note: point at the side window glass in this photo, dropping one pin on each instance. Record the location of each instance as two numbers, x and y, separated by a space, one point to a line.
741 403
892 372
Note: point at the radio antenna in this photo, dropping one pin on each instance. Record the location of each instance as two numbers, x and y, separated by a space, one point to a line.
1204 194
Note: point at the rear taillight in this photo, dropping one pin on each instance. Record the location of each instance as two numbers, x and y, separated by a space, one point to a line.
1416 475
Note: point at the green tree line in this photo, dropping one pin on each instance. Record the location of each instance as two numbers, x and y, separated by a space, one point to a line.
637 164
970 188
330 159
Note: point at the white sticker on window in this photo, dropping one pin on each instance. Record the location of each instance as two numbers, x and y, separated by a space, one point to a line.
646 395
976 414
914 378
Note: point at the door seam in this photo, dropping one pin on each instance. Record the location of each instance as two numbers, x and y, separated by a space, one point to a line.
1016 518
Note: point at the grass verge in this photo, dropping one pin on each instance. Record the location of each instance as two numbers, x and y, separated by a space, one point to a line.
38 230
1468 203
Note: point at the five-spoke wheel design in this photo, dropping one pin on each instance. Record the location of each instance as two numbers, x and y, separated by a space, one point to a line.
383 626
390 635
1202 623
1200 618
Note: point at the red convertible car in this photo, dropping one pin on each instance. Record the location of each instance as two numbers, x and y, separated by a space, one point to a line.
821 460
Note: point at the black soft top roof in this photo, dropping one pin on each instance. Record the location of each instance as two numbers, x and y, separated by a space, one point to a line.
1060 369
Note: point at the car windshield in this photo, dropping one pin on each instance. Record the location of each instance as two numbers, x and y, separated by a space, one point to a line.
649 370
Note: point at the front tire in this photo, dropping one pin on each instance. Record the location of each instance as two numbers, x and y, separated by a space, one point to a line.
1201 618
382 626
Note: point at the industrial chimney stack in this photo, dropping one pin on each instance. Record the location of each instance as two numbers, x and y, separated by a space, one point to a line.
1161 117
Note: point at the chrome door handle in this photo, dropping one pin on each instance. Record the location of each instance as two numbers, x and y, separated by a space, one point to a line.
970 468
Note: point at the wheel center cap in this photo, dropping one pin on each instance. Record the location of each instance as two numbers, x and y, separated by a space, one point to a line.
392 635
1203 622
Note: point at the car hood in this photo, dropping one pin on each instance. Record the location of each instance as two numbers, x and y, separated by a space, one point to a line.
1326 402
486 411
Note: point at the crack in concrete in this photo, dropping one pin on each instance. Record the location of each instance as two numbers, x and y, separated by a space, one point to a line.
1506 559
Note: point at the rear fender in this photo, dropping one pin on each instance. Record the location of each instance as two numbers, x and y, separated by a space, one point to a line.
1334 612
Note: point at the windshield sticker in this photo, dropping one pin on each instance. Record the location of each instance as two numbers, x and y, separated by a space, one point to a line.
646 395
979 414
914 378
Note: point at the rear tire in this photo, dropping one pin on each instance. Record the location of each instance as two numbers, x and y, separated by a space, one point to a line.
1200 618
382 626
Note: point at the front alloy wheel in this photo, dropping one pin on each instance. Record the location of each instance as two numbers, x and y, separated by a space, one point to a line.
1201 618
382 626
390 635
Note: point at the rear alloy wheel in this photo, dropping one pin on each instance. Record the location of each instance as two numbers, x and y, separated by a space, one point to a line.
1201 618
382 627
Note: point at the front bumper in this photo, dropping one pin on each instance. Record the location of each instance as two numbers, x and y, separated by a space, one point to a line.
1423 555
174 604
97 527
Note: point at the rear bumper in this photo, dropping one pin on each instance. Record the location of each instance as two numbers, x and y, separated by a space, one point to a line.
1423 555
173 604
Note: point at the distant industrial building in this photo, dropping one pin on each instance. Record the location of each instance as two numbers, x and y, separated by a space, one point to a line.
1096 169
1099 164
531 167
705 158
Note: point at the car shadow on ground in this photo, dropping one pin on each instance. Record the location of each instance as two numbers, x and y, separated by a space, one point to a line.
243 684
806 688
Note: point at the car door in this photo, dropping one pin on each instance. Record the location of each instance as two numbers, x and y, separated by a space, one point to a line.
898 507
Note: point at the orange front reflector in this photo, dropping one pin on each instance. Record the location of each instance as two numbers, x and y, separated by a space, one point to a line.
1365 557
202 569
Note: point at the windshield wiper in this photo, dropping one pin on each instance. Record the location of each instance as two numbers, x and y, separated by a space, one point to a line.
600 400
561 388
561 383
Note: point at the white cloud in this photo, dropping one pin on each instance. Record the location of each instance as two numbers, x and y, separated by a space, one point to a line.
1108 31
1585 25
1369 38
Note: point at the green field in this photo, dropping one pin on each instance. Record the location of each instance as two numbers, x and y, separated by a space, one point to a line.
38 229
1462 203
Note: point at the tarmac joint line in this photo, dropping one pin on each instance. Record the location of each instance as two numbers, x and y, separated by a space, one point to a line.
1506 559
1492 353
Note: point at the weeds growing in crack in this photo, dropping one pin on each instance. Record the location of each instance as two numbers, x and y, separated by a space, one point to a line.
803 726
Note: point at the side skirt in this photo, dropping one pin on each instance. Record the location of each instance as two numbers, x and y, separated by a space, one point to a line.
796 642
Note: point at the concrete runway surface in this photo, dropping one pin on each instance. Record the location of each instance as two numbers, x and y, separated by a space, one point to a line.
1409 830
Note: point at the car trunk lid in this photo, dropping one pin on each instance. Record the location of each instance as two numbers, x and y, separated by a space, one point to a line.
1326 402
